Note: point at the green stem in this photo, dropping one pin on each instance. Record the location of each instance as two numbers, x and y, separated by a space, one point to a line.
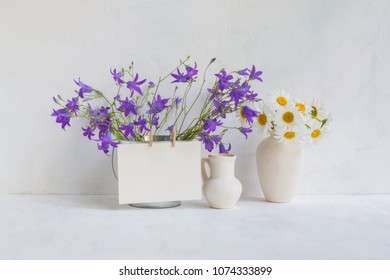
200 90
181 63
184 104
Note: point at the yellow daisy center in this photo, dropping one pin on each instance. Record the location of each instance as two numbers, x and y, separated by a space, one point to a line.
301 107
262 119
288 117
289 135
242 114
316 133
282 101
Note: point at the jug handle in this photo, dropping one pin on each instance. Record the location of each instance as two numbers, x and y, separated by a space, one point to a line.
203 167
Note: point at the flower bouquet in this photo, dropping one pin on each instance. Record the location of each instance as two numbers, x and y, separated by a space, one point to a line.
290 123
137 107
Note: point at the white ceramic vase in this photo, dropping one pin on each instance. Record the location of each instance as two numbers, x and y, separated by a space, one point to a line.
279 167
221 189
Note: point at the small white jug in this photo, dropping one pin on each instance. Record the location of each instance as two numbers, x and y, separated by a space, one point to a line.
221 189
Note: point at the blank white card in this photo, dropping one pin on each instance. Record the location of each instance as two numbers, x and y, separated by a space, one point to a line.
159 172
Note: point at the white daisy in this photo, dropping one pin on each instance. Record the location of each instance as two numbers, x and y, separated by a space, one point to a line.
263 120
278 98
316 109
288 116
316 133
289 135
317 129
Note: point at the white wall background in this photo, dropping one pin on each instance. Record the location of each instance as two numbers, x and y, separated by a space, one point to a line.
337 51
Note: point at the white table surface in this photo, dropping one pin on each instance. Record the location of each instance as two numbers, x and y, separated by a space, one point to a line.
96 227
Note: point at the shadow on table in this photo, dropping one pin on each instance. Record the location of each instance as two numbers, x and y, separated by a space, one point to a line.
110 202
253 198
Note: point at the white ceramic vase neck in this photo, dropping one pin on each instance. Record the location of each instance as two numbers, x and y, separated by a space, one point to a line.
221 166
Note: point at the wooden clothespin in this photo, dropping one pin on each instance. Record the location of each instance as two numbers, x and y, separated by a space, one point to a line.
151 138
174 137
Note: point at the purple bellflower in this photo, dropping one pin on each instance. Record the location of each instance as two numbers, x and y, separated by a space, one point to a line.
245 87
142 124
255 75
211 125
88 132
239 92
134 85
183 78
128 107
236 95
73 105
170 128
216 139
155 120
223 150
179 77
178 100
83 88
103 127
251 96
214 94
248 114
106 142
128 130
117 76
191 71
245 131
100 118
220 108
99 112
243 72
208 143
62 117
223 80
158 105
